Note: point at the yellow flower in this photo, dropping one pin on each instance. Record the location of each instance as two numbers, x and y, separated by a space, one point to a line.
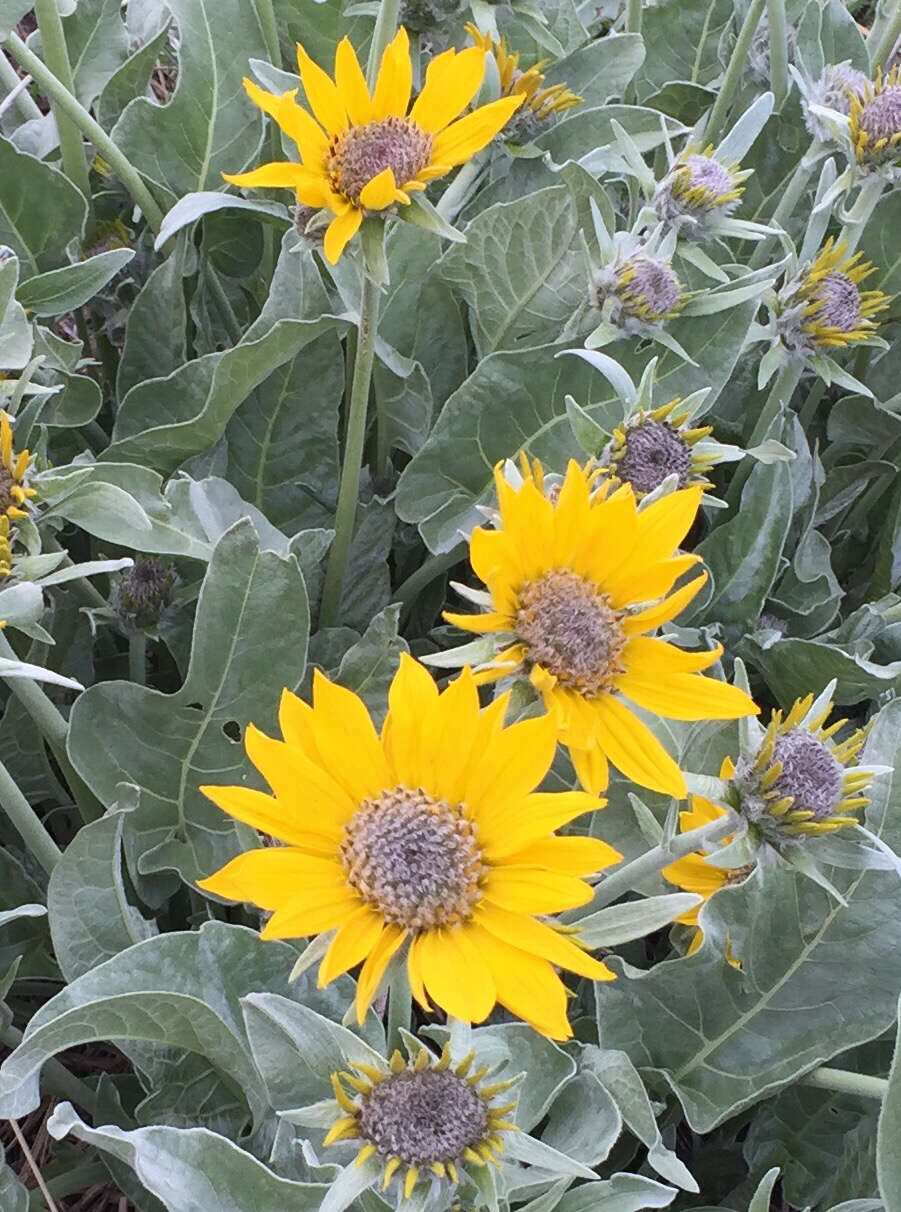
6 555
429 835
421 1118
540 102
575 586
835 312
13 493
694 874
362 153
875 117
649 446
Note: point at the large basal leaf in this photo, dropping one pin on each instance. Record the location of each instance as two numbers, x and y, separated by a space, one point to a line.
600 70
193 1169
515 401
681 40
40 209
792 666
252 605
98 45
817 977
155 342
13 1196
521 270
209 127
888 1152
182 990
62 290
877 245
165 421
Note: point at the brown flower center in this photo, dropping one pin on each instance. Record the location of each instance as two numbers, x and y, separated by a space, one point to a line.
840 301
423 1118
881 117
359 154
571 630
415 859
7 480
654 450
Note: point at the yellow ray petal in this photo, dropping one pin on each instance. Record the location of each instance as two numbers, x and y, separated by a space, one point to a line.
455 974
456 732
351 83
634 750
517 761
340 231
374 967
591 768
667 610
306 916
379 192
694 875
534 890
347 740
526 934
323 97
657 658
305 131
412 698
571 855
482 624
395 79
526 821
463 138
280 174
269 815
451 82
272 876
354 940
526 985
321 803
687 696
650 583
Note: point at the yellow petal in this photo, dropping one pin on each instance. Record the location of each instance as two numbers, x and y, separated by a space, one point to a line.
533 890
358 936
340 231
694 875
667 610
634 750
539 939
322 95
379 192
318 800
591 768
374 968
395 79
455 974
351 83
687 696
412 698
306 915
571 855
305 131
526 985
517 761
347 741
647 584
272 876
532 818
269 815
463 138
281 174
655 658
451 82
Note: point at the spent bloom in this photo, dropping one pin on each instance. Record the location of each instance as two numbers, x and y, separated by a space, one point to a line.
143 591
431 839
576 585
362 153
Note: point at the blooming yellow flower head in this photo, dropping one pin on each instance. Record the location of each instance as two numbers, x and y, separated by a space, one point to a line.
875 118
6 555
650 446
576 584
426 1117
14 494
826 307
541 102
428 836
364 153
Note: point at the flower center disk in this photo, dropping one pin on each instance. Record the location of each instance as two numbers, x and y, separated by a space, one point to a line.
840 301
811 775
880 118
571 631
653 451
424 1117
356 156
413 858
6 482
648 288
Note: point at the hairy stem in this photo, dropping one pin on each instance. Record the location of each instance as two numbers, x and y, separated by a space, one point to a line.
24 101
53 42
885 32
633 16
791 195
269 26
731 79
859 215
400 1007
843 1081
71 107
137 657
385 29
778 50
346 513
27 823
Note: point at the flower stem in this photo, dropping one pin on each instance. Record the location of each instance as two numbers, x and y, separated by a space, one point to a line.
349 491
53 41
431 567
633 16
780 394
778 50
843 1081
884 34
859 215
626 878
69 105
731 79
54 730
137 657
24 101
27 823
400 1007
269 26
809 408
791 195
385 29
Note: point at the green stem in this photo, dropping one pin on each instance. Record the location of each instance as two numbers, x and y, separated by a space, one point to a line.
27 823
431 567
67 103
346 513
24 102
843 1081
633 16
55 1077
71 146
778 50
400 1007
811 404
384 31
269 26
859 214
884 35
732 77
461 188
54 730
780 394
629 877
137 658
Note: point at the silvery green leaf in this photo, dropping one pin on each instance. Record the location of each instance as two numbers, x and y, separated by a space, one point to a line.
738 142
421 213
695 255
13 1195
16 340
615 374
770 451
712 301
621 1193
193 206
62 290
771 362
707 785
633 919
40 211
90 568
36 673
888 1157
12 915
586 431
531 1152
760 1200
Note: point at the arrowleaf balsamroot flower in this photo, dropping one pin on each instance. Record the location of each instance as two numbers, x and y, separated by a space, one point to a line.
649 446
874 118
575 586
541 102
699 189
14 494
824 308
429 836
363 153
